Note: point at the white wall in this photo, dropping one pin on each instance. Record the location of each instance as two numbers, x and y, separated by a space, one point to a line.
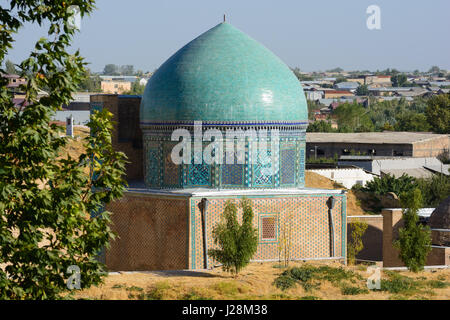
347 177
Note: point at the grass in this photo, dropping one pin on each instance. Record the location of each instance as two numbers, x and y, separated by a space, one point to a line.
347 290
310 277
193 294
302 281
228 288
401 285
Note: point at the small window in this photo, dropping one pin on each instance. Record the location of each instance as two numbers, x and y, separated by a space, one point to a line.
268 228
345 152
398 153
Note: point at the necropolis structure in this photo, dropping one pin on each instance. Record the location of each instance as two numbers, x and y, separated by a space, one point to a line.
241 117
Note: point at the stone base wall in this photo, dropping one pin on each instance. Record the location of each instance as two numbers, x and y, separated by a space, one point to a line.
152 233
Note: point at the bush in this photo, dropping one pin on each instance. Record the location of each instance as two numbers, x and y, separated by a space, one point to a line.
355 244
284 281
349 290
308 276
237 243
414 240
388 183
399 284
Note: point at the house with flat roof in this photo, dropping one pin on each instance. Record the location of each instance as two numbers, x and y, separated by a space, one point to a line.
387 143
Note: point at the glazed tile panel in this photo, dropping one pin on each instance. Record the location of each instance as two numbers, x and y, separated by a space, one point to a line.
283 167
309 221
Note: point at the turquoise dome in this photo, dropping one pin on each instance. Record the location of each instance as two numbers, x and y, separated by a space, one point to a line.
223 76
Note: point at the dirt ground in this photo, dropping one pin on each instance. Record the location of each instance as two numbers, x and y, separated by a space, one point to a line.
314 180
254 282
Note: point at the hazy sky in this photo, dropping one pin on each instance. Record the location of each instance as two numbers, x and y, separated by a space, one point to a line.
312 35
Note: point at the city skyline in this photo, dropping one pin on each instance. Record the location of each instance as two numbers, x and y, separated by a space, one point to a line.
312 36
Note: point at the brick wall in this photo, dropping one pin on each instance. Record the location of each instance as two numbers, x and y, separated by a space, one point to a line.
152 233
310 226
372 238
392 221
432 147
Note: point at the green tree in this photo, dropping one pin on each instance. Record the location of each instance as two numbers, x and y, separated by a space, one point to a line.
434 70
111 70
136 89
355 243
320 126
50 206
362 90
434 189
300 76
352 117
399 80
388 183
237 243
411 121
414 239
10 68
438 113
127 70
90 82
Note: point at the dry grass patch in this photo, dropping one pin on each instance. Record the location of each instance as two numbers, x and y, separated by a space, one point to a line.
332 281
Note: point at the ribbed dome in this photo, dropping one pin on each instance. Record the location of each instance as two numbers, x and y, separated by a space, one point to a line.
223 75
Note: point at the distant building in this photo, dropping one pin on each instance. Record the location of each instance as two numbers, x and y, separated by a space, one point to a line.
348 177
395 166
314 95
397 144
347 86
337 94
372 80
115 86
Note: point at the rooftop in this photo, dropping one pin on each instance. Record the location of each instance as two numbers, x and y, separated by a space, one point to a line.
387 137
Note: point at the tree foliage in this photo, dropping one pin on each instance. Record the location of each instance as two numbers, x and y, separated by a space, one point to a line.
352 117
438 113
136 89
414 240
10 68
320 126
411 121
362 90
50 206
237 243
90 82
355 243
388 183
434 189
399 80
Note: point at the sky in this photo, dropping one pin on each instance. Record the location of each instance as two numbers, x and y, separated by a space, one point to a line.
312 35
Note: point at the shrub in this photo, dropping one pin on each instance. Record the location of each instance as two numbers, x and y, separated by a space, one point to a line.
414 240
284 281
399 284
237 243
355 243
388 183
349 290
